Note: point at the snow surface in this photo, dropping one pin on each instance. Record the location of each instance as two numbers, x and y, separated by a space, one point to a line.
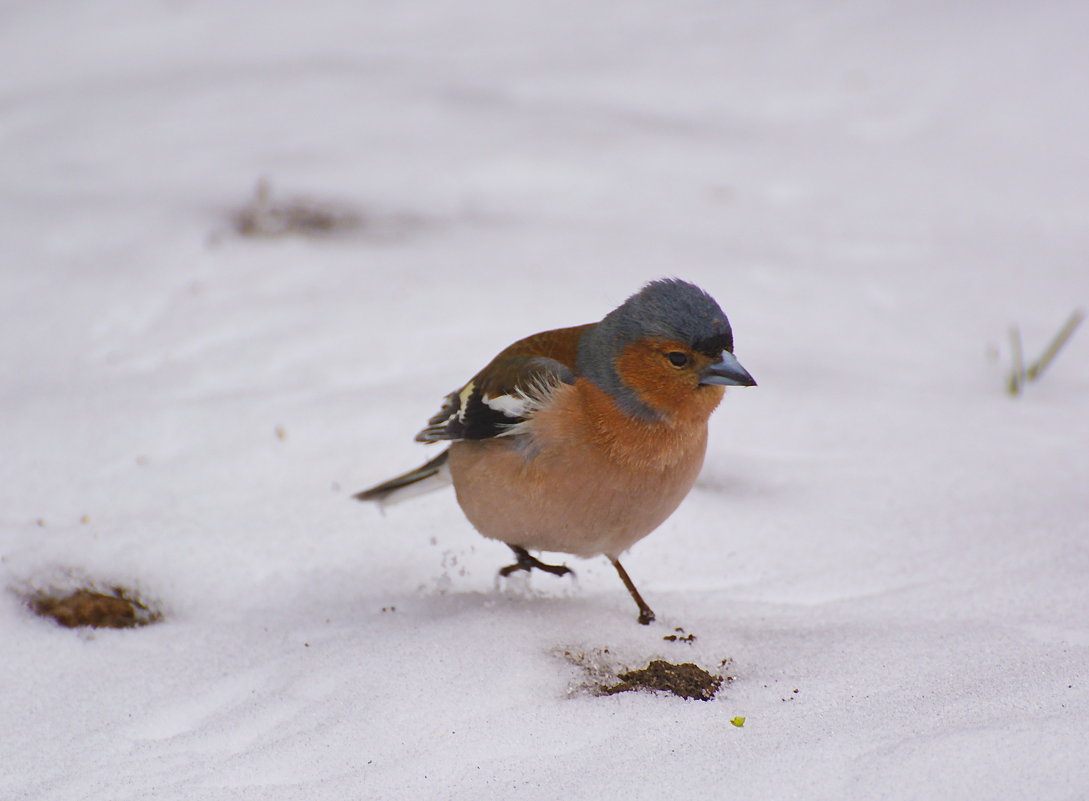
875 192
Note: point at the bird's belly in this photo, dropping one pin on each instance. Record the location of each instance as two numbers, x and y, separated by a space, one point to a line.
573 500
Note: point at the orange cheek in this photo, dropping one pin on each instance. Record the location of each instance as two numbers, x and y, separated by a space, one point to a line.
659 385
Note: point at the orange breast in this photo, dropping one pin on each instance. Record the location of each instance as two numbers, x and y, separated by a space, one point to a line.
586 479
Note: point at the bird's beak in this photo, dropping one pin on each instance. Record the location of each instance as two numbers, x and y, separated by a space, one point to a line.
728 372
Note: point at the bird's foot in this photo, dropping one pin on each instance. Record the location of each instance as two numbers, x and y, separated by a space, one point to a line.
646 614
528 562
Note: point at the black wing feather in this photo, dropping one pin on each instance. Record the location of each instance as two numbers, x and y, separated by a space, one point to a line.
466 415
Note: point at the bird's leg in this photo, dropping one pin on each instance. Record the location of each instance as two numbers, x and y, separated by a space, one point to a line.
527 562
646 614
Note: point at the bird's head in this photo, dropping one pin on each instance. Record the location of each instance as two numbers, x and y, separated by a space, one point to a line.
666 347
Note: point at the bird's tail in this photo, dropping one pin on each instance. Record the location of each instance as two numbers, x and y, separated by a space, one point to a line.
427 477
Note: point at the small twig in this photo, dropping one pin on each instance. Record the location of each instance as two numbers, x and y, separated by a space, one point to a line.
1017 371
1051 351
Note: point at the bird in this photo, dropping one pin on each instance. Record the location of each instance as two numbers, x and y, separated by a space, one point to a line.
583 440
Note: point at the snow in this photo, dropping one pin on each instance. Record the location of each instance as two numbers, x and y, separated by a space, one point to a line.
875 193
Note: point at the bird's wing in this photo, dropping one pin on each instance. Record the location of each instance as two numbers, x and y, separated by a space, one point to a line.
509 390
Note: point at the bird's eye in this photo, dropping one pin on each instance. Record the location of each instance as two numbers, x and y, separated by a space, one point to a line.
677 359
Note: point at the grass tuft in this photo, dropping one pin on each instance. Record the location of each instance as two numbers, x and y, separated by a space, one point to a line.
1020 375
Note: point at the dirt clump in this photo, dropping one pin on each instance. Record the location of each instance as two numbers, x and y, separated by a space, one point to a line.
686 680
679 636
93 609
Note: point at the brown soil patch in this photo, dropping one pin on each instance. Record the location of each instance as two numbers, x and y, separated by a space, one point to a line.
86 607
266 217
686 680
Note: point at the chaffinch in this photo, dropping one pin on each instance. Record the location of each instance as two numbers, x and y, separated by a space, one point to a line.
584 440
